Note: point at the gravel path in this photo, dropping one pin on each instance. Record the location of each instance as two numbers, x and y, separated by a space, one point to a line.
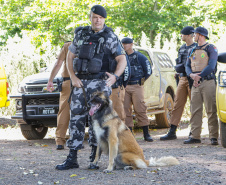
33 162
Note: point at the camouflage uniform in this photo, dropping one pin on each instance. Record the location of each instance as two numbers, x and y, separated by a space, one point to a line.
78 122
78 115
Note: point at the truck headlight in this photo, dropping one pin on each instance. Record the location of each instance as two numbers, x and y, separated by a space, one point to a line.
18 104
222 78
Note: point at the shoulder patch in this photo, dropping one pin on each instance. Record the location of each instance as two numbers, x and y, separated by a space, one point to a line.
215 49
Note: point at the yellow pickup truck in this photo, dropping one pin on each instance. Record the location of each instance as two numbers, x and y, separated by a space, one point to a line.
221 98
4 101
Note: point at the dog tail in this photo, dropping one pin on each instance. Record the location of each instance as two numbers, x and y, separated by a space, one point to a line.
163 161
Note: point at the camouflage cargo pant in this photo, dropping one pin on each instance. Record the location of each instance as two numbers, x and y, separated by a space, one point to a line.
79 117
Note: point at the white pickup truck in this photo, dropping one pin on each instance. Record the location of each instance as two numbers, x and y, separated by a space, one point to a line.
36 109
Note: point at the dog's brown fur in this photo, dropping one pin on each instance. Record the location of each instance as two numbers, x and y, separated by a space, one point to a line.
115 139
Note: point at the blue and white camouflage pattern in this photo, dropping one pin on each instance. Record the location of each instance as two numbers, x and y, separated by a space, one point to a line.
78 122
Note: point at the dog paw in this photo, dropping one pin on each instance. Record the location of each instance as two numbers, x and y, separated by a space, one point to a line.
107 171
128 168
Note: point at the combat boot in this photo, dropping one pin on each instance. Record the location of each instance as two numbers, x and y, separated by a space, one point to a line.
147 136
171 134
70 162
92 158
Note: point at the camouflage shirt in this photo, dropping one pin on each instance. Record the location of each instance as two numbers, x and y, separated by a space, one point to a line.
113 45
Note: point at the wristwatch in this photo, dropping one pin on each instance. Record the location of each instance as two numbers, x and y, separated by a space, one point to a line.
116 76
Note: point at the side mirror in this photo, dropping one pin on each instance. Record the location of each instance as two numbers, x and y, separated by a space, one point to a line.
222 57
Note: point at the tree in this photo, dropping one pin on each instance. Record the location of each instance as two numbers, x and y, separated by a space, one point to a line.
53 20
153 17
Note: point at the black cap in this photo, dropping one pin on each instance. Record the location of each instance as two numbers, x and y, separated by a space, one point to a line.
201 30
127 40
99 10
187 30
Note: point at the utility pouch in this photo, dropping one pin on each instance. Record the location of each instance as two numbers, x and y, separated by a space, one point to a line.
95 65
142 81
77 65
87 50
59 84
84 65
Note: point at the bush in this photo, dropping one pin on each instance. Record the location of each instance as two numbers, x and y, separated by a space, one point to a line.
21 58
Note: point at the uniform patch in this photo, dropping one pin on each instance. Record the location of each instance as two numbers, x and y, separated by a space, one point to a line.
202 55
215 49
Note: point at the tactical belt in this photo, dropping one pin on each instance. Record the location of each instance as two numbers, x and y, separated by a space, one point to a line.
183 74
208 77
91 76
133 82
66 78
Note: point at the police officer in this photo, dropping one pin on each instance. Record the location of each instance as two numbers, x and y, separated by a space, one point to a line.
98 50
134 95
183 90
63 116
201 67
118 92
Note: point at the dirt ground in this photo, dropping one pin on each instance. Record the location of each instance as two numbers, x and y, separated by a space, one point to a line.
33 162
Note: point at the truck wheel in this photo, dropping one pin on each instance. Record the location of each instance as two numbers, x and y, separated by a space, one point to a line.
31 132
163 119
223 133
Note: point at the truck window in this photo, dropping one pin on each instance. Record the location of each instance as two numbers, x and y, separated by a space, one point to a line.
145 53
164 60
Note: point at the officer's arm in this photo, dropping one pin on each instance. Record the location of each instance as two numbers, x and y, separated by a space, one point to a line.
60 59
121 60
145 65
188 67
54 72
76 82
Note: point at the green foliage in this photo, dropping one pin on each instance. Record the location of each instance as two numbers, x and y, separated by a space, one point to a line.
21 58
55 20
220 13
52 20
151 17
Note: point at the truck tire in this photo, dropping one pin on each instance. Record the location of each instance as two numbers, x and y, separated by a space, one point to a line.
223 133
163 119
31 132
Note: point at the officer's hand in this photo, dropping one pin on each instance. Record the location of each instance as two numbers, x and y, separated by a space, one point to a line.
76 82
50 86
111 79
196 83
195 76
176 75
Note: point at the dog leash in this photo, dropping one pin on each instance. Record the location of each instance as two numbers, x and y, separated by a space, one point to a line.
84 94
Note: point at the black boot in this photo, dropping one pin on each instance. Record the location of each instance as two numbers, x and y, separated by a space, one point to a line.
70 162
92 158
171 134
147 137
131 129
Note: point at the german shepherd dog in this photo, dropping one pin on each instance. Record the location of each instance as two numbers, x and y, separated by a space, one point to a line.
116 139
